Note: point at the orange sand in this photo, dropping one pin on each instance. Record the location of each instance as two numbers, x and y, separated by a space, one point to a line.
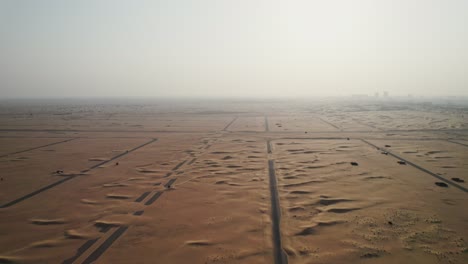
218 209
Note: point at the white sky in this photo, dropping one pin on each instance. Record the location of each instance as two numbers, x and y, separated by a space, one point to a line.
241 48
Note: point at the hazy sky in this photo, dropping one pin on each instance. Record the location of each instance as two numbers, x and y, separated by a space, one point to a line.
233 48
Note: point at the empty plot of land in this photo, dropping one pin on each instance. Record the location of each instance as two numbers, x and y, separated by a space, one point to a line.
408 120
445 159
346 122
250 123
32 170
334 212
216 210
121 122
11 146
298 123
105 197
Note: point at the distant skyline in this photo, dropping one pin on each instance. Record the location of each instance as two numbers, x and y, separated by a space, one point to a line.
243 48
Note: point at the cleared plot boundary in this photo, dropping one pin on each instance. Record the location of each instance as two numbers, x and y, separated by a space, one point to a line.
68 178
104 246
329 123
455 142
38 147
179 165
230 123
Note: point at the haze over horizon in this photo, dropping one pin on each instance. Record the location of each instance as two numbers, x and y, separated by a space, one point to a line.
216 48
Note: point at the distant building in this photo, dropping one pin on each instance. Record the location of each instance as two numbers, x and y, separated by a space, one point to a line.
376 95
385 94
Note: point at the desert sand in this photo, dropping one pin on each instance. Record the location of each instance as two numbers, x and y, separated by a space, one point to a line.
233 182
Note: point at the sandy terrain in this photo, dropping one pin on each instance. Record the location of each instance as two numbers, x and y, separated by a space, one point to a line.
231 182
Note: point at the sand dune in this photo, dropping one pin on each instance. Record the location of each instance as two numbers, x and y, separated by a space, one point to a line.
48 221
118 196
199 243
